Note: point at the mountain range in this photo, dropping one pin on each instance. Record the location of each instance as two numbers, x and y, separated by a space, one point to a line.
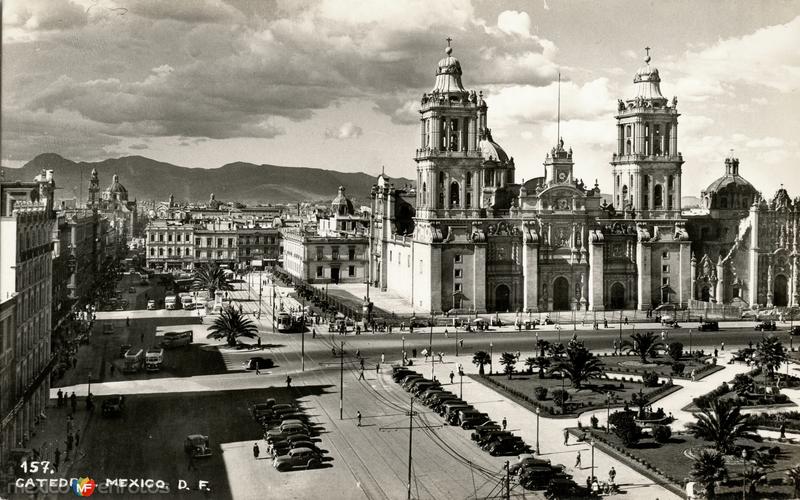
148 179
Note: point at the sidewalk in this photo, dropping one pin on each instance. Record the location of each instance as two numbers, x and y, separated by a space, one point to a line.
52 435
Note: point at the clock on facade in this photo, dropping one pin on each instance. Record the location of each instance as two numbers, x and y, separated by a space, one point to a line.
562 176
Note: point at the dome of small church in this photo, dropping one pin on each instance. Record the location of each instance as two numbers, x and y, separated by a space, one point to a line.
342 205
491 150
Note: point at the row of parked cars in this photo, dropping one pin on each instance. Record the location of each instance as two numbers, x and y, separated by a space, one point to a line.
532 473
289 435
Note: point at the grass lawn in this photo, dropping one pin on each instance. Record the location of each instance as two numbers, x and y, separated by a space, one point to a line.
672 461
591 396
662 365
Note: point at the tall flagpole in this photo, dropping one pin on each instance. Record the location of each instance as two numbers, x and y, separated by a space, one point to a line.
558 116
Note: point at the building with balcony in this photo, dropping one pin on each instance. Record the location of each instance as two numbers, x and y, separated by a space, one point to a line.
170 244
259 245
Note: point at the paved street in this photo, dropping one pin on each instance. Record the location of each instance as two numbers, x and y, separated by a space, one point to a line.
203 389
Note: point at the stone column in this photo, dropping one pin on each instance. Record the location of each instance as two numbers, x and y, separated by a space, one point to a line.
651 186
530 269
436 131
643 263
676 203
673 137
769 285
479 278
471 135
752 283
720 282
596 272
422 133
620 140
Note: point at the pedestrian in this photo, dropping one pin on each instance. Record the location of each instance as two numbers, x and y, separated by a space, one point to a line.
383 358
715 353
255 450
77 439
663 335
722 346
60 398
58 457
258 369
783 430
578 460
73 400
626 320
127 321
605 323
692 375
566 436
461 342
259 342
612 474
313 332
358 353
361 375
111 369
441 354
358 416
445 333
505 423
452 375
377 368
288 382
414 352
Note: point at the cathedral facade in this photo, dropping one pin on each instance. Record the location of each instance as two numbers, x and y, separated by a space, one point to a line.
478 240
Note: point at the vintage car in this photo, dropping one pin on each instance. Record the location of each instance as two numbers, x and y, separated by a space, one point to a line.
708 326
258 363
196 445
113 406
297 457
766 326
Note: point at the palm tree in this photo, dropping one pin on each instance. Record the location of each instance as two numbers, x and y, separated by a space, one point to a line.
722 423
480 359
708 468
578 366
556 350
543 346
231 325
211 277
541 363
643 344
770 355
530 363
509 361
752 475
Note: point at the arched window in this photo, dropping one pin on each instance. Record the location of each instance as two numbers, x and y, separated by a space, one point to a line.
646 182
671 182
441 179
657 139
645 202
455 195
658 197
468 179
723 202
628 147
624 196
468 200
647 139
424 193
441 200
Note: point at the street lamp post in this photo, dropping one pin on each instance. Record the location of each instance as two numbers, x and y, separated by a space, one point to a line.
690 341
430 346
89 385
608 411
403 351
273 305
491 353
591 475
537 431
460 384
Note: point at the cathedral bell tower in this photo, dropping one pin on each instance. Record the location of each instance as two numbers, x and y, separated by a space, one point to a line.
647 164
449 158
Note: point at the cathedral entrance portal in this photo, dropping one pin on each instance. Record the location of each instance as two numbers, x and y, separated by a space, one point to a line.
617 296
781 295
705 294
502 298
561 294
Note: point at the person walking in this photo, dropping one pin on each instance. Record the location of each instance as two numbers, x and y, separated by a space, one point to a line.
111 369
73 401
505 423
258 369
60 398
127 321
722 346
358 416
578 460
452 376
383 358
612 474
361 361
783 431
259 342
361 375
445 333
255 450
566 436
461 342
288 382
377 368
692 375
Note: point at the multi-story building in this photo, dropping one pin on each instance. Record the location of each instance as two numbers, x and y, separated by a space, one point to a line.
26 226
336 253
259 245
75 259
216 241
170 244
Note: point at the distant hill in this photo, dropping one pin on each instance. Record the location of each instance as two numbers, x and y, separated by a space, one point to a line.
145 178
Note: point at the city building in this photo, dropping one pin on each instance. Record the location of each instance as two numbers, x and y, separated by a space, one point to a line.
26 228
170 244
337 252
216 241
259 244
477 240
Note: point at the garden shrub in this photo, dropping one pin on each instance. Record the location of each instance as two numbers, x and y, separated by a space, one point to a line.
625 428
560 397
650 379
540 393
677 368
675 350
594 422
662 433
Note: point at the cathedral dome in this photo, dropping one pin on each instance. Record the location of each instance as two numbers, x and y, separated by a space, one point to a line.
731 191
342 205
492 151
448 74
116 191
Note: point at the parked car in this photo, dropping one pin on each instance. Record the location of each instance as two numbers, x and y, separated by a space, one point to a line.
258 362
474 420
123 349
795 330
766 326
112 406
260 411
196 445
507 446
131 289
297 457
708 326
151 305
279 435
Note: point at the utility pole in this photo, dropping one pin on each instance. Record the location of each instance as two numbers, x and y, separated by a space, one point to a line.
508 482
410 442
430 346
273 304
303 337
341 381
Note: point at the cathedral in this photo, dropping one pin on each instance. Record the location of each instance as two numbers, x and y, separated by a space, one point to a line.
473 238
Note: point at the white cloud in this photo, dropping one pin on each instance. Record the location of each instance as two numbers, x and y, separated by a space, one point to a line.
347 130
512 22
765 142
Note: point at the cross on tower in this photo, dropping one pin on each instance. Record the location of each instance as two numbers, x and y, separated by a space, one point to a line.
448 40
647 57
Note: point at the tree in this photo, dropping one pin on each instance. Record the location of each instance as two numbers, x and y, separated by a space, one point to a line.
509 361
770 355
544 346
742 383
231 325
643 344
579 365
480 359
675 350
625 427
707 469
794 476
212 278
722 422
556 350
530 362
542 364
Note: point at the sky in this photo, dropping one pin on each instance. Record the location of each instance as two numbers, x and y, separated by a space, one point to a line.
336 84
